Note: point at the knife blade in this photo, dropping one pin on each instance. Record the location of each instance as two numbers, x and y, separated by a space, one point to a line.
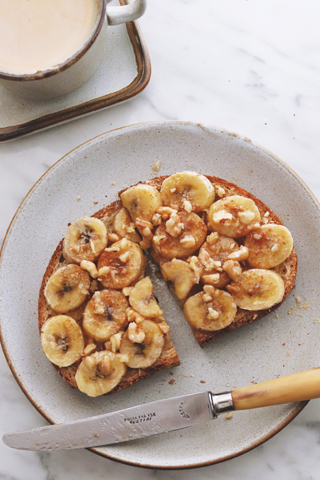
166 415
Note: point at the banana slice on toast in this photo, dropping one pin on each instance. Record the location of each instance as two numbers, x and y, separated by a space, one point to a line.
100 373
180 236
181 274
62 340
142 354
142 299
141 201
268 246
85 240
234 216
187 191
125 261
67 288
210 310
105 314
257 289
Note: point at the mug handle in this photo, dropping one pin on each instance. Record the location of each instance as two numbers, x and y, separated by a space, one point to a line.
126 13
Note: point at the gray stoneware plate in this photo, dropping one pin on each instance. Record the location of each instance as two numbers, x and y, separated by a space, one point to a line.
274 346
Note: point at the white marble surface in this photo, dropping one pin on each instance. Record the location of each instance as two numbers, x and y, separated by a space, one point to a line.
250 66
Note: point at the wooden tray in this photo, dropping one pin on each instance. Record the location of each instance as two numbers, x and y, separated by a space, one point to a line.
124 73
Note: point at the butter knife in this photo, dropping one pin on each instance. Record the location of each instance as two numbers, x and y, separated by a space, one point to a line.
166 415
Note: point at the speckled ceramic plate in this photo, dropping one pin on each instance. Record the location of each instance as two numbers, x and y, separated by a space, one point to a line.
274 346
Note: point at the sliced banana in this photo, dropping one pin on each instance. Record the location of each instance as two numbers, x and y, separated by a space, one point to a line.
181 275
124 227
210 310
85 240
100 373
180 236
67 288
62 340
141 201
234 216
212 255
147 352
187 191
142 299
268 246
257 289
105 315
125 261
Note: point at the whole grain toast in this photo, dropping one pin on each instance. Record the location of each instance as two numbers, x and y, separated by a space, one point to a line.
287 270
169 357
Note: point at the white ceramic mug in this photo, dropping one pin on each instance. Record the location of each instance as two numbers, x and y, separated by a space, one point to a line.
79 67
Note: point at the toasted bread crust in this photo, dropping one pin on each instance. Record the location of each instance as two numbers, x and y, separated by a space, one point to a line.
169 358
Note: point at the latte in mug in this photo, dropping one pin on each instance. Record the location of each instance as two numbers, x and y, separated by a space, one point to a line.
37 35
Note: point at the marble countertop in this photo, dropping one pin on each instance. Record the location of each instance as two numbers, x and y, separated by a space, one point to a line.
249 66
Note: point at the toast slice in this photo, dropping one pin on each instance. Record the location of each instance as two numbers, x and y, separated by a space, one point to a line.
287 269
169 358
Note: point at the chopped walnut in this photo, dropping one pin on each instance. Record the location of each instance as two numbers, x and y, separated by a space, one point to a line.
93 286
93 248
98 306
246 217
134 316
165 212
187 205
188 241
144 245
233 269
173 226
222 215
212 238
113 248
157 239
124 257
212 314
164 327
135 333
220 191
89 349
130 228
212 279
126 291
156 219
207 298
113 237
103 271
241 254
209 289
115 341
216 263
90 267
145 228
195 265
124 357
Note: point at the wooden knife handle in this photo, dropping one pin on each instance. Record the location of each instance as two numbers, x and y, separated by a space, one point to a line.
293 388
